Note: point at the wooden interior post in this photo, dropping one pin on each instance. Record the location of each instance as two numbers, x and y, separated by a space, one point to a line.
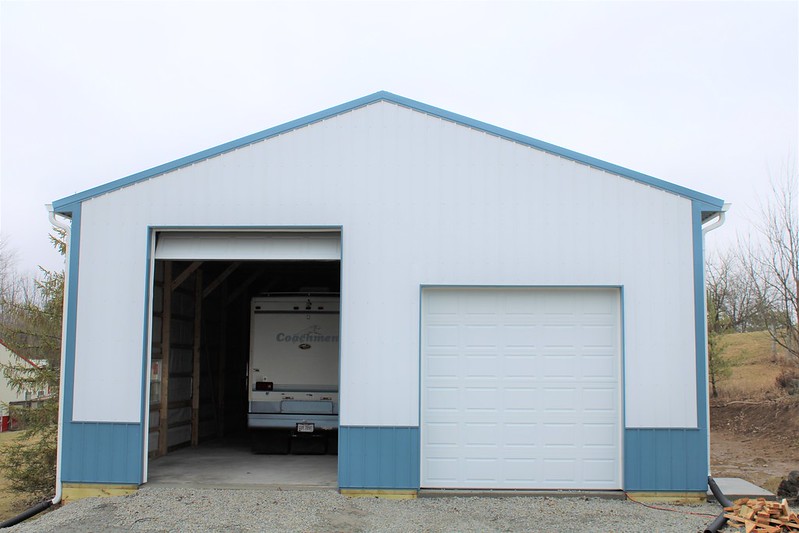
220 382
195 374
166 319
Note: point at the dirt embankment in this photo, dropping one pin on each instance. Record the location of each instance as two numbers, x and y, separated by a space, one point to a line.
755 440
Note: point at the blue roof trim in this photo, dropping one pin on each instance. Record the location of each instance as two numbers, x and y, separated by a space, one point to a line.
713 203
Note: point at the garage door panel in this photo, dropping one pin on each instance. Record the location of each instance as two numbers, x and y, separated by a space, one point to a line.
481 470
443 398
442 469
442 434
558 366
479 434
520 470
442 366
557 332
481 398
598 336
561 400
522 434
480 336
559 472
600 400
556 434
481 366
527 394
598 470
441 336
600 438
520 366
519 335
599 367
523 401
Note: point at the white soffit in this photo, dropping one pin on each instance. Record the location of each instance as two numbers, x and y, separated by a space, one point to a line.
248 245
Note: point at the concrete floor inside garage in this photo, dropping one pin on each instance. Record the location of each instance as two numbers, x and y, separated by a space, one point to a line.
198 432
226 464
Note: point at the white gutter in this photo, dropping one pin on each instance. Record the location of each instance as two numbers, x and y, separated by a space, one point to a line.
59 446
720 219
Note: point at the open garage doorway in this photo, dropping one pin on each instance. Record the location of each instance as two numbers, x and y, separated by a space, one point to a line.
217 297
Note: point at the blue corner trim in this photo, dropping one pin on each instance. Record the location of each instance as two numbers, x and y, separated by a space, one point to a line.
378 457
92 452
68 379
146 343
62 205
678 459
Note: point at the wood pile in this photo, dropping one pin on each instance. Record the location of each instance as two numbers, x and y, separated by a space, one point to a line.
761 516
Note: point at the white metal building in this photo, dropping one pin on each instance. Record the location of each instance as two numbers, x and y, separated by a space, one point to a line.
514 315
9 394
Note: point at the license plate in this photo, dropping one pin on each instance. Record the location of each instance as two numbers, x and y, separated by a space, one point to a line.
304 427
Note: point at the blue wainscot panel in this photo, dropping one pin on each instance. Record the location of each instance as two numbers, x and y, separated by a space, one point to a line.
665 460
373 457
95 452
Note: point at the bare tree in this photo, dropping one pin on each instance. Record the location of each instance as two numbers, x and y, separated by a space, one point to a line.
7 271
732 294
772 262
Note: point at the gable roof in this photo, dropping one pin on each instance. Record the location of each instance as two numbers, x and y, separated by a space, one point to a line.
67 204
6 346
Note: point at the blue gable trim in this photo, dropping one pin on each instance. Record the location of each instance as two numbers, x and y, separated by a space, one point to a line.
61 206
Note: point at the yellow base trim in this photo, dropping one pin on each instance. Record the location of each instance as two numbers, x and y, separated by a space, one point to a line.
71 492
668 497
386 494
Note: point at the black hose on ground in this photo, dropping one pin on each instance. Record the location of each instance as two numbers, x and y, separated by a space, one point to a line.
36 509
720 520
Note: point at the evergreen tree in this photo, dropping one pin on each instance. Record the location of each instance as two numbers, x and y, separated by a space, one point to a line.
30 325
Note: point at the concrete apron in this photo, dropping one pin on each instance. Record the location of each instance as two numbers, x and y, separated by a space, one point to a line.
238 467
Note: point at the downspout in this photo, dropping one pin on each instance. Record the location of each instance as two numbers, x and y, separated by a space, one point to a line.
39 507
720 219
720 520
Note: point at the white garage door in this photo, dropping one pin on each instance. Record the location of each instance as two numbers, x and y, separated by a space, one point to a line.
521 389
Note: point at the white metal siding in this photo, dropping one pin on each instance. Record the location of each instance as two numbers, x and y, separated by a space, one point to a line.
521 389
420 201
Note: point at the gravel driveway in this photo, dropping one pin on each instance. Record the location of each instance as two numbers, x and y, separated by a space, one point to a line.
173 509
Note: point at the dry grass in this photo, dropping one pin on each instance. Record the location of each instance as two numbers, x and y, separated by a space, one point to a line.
11 503
756 364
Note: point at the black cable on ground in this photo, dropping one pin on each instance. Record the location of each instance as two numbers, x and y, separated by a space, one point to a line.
36 509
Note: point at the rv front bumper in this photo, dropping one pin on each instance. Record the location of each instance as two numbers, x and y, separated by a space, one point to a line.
274 421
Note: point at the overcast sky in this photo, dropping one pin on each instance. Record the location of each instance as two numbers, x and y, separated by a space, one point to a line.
705 95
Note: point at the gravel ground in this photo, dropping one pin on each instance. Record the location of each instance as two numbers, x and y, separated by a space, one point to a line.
172 509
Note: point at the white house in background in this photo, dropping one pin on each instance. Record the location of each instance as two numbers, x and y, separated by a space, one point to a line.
513 315
7 393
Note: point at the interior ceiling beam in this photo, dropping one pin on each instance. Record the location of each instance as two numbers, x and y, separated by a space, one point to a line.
243 287
220 278
185 274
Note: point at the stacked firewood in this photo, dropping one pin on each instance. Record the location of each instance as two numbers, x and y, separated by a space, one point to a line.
761 516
